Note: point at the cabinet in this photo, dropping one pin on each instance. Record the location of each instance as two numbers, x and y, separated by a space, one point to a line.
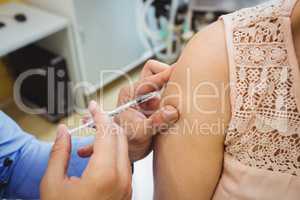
103 42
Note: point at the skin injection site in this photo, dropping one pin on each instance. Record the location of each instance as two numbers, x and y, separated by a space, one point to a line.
150 99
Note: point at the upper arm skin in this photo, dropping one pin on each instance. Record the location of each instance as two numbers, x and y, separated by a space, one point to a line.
188 158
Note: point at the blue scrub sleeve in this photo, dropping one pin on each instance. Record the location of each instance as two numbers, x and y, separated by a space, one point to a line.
29 160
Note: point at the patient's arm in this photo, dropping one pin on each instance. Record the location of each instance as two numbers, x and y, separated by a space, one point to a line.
188 158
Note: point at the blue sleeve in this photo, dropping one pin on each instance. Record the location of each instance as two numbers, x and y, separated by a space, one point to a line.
29 160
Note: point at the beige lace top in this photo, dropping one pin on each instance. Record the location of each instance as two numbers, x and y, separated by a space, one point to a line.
262 146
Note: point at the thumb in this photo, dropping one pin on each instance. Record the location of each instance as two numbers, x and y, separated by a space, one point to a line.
164 117
60 155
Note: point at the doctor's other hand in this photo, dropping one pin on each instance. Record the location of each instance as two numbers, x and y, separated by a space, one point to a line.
143 122
108 173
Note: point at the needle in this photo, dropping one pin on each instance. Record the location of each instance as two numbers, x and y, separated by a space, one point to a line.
135 102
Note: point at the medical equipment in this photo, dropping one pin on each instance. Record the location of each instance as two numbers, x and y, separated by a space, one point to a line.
204 12
19 17
167 32
221 5
135 102
2 24
46 89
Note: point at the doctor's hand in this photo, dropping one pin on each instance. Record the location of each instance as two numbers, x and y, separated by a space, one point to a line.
108 173
144 121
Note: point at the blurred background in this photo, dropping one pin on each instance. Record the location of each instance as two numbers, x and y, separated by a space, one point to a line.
55 56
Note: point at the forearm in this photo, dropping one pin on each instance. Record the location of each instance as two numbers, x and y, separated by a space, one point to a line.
30 165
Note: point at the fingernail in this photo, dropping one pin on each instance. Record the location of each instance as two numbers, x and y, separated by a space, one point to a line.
170 114
59 135
93 105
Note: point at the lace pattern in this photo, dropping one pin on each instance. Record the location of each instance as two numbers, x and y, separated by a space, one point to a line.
265 128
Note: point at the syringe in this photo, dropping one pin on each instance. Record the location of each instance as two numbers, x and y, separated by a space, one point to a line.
118 110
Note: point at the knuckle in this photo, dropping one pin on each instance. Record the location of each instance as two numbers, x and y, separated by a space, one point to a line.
56 149
164 78
149 84
169 107
140 137
158 118
136 132
149 63
117 119
125 187
123 89
111 178
120 183
46 184
116 181
125 94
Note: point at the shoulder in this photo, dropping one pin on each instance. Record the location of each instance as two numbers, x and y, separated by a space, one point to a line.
206 55
207 47
201 76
